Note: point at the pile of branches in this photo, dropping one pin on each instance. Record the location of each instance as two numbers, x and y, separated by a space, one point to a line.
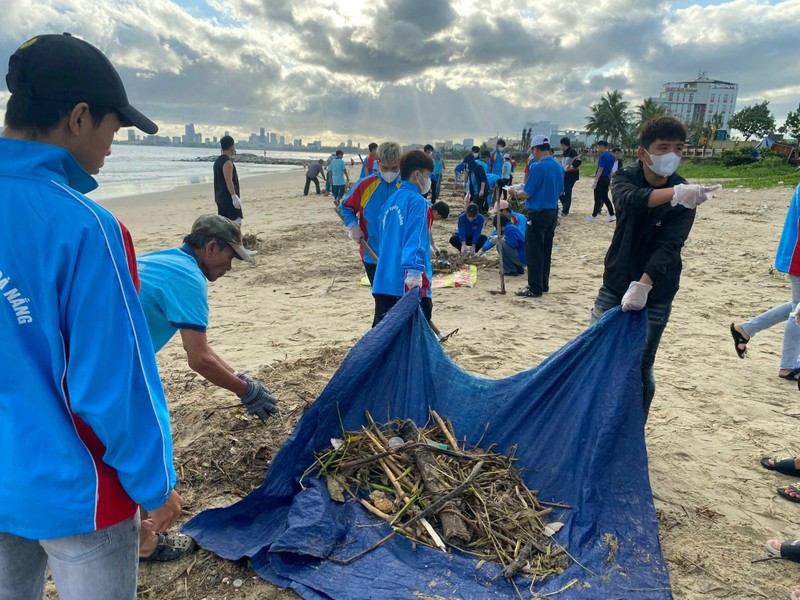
438 492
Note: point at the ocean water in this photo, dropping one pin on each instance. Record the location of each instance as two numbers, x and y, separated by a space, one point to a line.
135 169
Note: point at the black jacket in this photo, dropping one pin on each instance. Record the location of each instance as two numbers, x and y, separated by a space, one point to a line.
646 240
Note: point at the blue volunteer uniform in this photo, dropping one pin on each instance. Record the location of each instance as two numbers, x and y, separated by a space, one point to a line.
544 184
174 293
496 161
515 218
363 206
405 242
469 230
515 239
78 382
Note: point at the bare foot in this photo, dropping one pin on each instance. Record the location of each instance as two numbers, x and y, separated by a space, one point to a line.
792 491
147 542
743 333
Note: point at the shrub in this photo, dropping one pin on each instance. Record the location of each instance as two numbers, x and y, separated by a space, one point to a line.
737 156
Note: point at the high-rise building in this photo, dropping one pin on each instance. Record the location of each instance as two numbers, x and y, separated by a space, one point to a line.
469 142
298 143
349 143
273 139
131 135
283 141
262 136
699 100
188 133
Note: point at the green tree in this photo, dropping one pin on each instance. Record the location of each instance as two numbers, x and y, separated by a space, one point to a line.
647 110
610 117
754 120
792 125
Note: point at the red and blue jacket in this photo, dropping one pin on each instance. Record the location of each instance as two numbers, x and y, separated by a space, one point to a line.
787 259
363 205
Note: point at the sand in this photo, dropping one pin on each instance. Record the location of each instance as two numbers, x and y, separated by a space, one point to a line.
291 318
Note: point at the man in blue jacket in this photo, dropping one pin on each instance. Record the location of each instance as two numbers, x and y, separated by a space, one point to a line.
542 189
514 218
405 258
361 208
85 435
469 237
513 246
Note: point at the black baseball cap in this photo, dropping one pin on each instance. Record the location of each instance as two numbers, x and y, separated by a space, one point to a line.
63 68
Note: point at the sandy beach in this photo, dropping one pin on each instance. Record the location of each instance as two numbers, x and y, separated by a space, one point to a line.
291 318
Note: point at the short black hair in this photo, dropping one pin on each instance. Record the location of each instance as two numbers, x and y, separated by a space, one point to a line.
413 161
340 153
476 148
39 117
543 147
602 143
442 208
617 150
501 142
503 220
662 128
485 153
226 142
566 141
200 240
427 147
472 209
373 146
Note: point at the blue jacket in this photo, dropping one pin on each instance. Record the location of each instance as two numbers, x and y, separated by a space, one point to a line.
405 242
516 240
515 218
469 230
363 206
544 184
787 259
496 161
84 427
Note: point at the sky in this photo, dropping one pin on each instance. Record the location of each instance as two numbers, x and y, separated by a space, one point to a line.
415 70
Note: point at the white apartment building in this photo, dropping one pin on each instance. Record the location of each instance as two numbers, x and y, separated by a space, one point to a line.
699 100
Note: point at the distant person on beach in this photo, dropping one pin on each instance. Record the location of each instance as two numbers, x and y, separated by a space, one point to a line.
480 189
362 206
405 224
226 182
657 209
601 183
787 260
505 177
315 169
327 165
541 192
339 176
369 166
85 434
495 162
571 162
468 237
438 173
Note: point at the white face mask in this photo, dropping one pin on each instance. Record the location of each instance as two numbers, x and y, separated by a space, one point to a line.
664 164
389 176
425 186
475 154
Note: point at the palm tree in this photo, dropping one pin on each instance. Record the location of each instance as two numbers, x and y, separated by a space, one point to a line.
649 110
610 117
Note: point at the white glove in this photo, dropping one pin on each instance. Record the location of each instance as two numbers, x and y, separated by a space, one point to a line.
464 248
691 195
237 202
413 279
493 239
636 296
355 233
479 254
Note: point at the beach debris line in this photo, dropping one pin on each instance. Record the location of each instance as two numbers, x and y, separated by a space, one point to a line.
440 492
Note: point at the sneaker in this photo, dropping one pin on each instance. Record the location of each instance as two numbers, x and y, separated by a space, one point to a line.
527 293
611 218
591 219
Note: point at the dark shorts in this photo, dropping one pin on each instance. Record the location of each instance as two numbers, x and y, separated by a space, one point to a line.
227 209
384 303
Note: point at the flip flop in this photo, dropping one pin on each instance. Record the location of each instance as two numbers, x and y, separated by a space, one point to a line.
738 338
793 375
784 465
784 494
790 550
170 547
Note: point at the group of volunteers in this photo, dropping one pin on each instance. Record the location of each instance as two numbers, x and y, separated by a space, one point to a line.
87 484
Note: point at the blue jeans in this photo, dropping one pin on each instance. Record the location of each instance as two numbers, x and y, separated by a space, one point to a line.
338 191
657 319
790 356
99 564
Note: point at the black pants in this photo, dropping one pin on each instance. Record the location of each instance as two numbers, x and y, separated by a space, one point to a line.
455 241
308 183
539 235
566 196
369 268
503 183
228 210
384 303
601 196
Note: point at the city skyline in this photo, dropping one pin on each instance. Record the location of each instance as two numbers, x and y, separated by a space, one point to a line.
411 70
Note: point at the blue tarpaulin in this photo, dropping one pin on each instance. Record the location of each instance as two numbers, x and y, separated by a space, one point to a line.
578 426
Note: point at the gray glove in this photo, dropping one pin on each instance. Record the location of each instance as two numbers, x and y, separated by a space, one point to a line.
257 400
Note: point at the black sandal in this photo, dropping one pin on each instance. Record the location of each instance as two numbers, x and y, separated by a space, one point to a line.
738 338
784 465
790 550
170 547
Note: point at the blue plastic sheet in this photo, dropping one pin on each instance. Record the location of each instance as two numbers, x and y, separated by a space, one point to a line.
578 426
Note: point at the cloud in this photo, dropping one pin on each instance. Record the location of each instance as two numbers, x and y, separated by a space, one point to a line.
415 70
